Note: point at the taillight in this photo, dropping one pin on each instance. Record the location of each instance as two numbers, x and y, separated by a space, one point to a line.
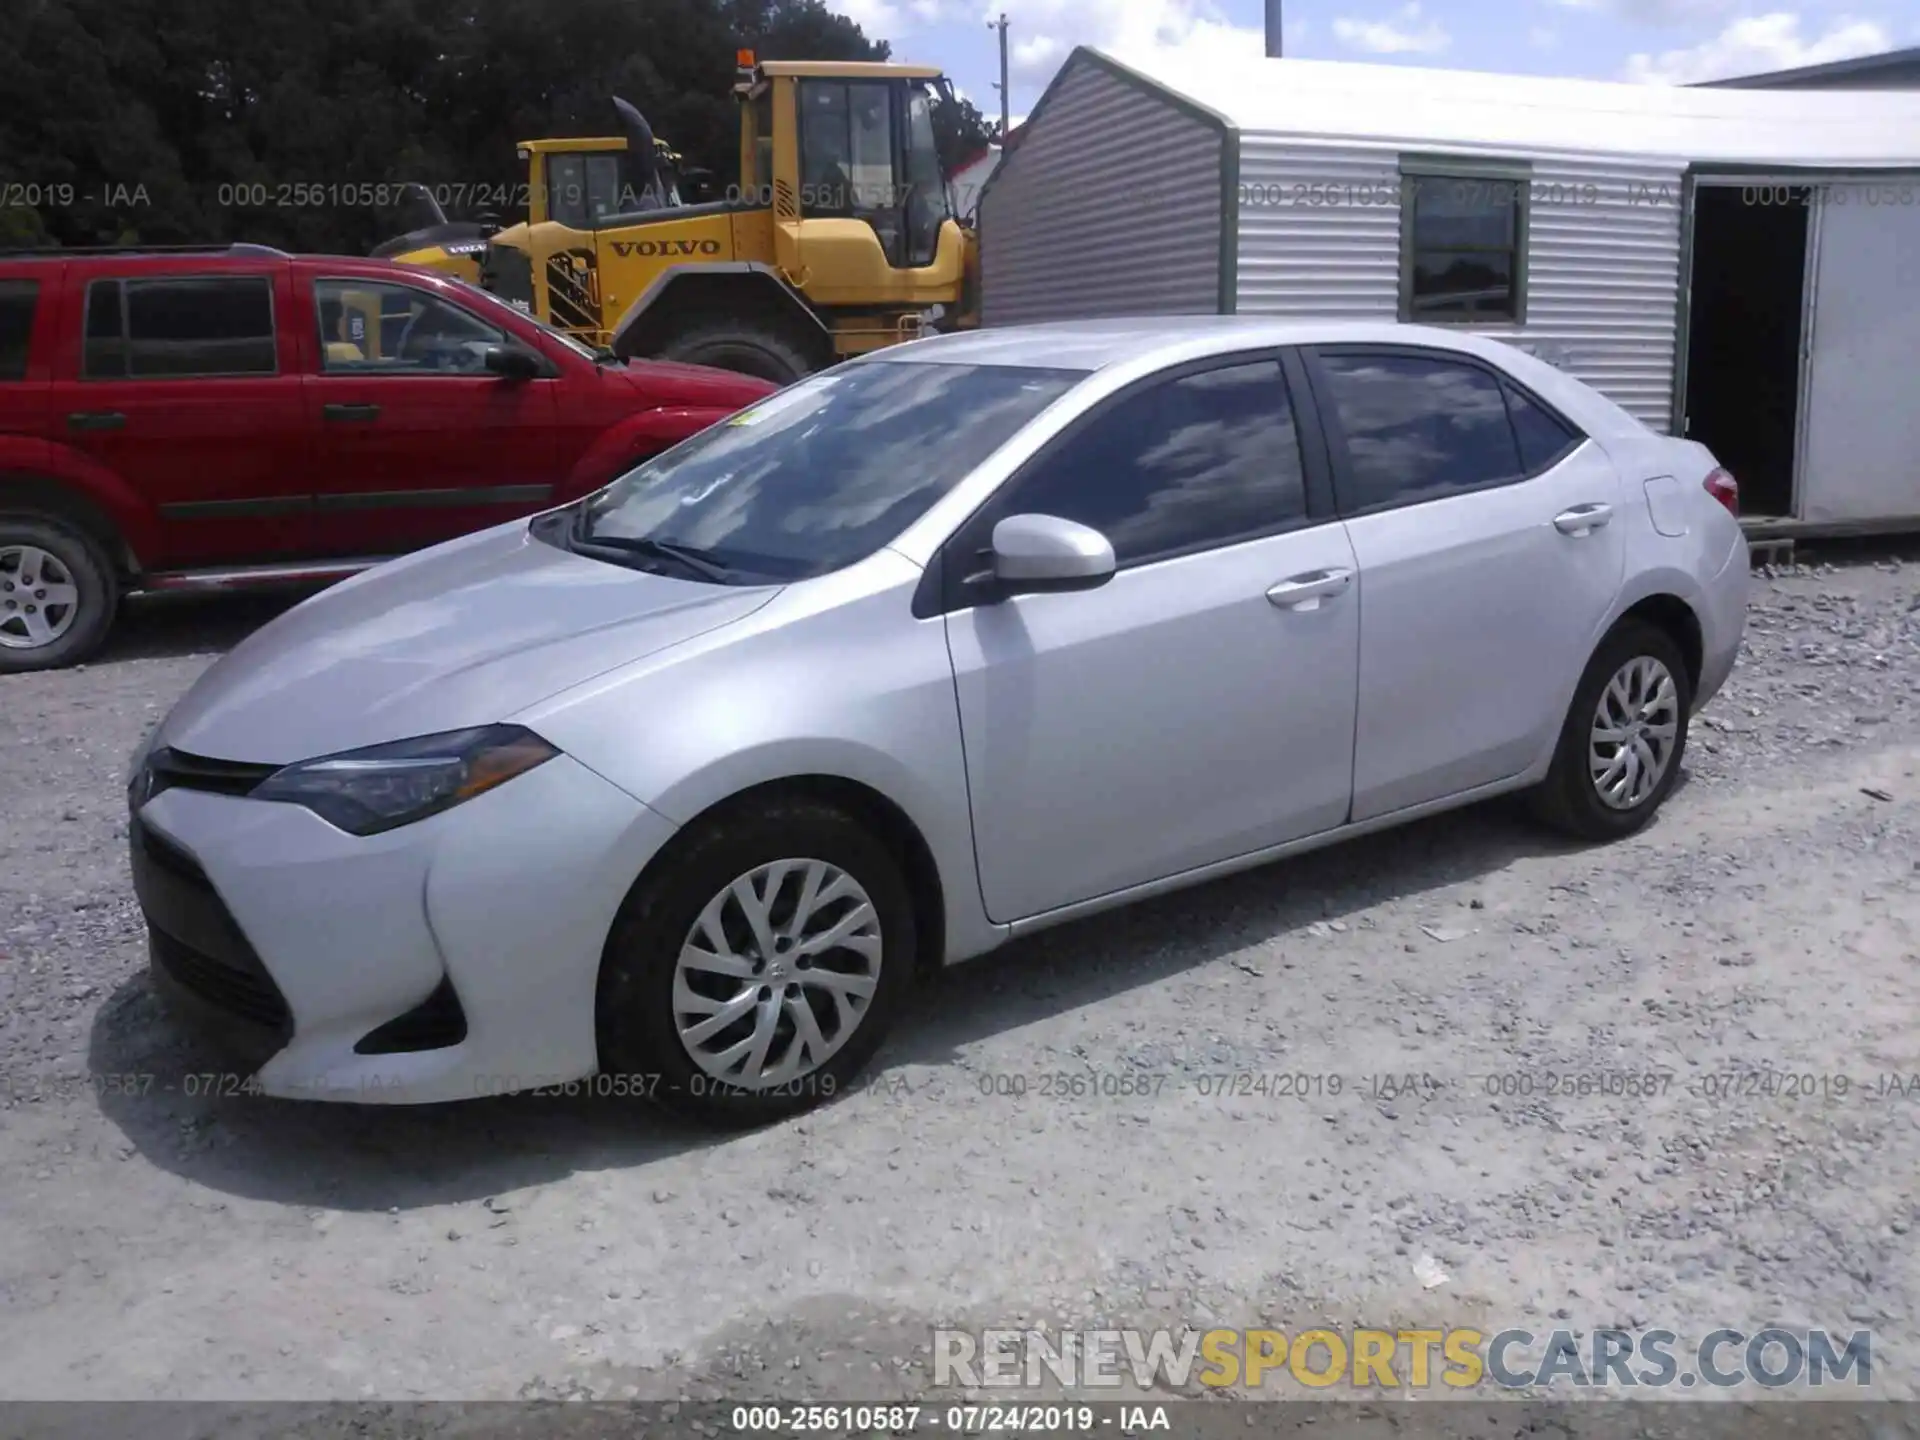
1724 488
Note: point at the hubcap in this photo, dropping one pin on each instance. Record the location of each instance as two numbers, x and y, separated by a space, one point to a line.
1634 730
777 973
38 597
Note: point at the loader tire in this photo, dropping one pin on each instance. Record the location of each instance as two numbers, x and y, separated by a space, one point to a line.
745 349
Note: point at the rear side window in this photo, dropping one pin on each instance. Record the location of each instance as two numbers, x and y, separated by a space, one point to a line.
1545 439
160 329
18 298
1418 429
1202 460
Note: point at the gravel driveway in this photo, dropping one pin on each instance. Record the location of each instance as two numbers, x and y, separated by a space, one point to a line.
157 1244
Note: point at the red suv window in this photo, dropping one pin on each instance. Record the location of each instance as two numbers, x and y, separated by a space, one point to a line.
200 325
17 301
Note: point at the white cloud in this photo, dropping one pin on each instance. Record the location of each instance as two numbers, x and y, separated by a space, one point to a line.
1756 44
1656 12
879 19
1541 38
927 11
1044 32
1036 52
1407 33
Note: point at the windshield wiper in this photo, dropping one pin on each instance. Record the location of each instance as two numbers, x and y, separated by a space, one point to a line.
690 558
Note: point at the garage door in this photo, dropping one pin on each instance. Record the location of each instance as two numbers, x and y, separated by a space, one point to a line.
1862 436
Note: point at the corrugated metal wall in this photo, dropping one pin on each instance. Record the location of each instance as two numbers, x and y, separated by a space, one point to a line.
1109 205
1320 236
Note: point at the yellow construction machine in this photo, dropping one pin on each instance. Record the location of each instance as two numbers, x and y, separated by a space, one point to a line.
837 238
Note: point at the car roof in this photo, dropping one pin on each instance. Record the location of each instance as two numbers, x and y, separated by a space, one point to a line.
1139 345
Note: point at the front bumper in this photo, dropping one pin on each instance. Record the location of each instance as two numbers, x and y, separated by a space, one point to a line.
462 951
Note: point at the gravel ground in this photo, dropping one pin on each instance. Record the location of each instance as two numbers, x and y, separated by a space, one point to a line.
166 1246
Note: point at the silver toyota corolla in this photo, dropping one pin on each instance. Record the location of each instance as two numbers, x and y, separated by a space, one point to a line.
672 792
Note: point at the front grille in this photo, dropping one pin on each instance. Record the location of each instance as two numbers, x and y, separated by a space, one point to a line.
253 998
177 770
195 938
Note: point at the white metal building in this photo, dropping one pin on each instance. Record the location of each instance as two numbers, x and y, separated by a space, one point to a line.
1741 265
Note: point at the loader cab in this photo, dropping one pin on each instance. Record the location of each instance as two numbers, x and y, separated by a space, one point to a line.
857 144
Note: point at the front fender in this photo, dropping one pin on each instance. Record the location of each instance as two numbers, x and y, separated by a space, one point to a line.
37 464
638 437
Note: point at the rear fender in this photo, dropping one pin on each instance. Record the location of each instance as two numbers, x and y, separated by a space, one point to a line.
37 474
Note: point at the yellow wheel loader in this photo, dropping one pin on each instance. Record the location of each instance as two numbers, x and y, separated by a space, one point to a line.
836 239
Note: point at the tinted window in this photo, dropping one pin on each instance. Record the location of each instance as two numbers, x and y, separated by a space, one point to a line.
846 147
1417 429
1545 439
106 351
828 470
1463 247
180 327
372 329
567 190
1202 460
17 302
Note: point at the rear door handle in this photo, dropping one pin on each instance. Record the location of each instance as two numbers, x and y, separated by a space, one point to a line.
1305 592
96 420
1582 519
350 412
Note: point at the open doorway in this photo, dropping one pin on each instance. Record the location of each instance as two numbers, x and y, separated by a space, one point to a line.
1743 334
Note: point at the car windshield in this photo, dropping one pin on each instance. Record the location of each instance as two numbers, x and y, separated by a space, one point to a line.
821 474
573 343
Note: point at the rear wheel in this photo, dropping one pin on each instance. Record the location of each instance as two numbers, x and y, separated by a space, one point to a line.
1623 739
57 593
754 973
764 354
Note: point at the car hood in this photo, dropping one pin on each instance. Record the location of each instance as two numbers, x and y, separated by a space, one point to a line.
669 383
464 634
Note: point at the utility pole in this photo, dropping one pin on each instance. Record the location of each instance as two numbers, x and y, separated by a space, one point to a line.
1001 26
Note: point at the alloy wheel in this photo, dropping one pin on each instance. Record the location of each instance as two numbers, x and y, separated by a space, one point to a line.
1635 727
39 597
777 973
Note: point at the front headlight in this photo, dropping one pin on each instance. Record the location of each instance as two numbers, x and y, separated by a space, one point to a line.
384 786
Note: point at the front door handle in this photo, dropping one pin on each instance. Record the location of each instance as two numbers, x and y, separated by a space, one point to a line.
350 412
1305 592
1582 519
96 420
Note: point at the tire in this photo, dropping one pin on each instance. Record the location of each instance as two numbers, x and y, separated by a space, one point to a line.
1570 799
37 632
640 1010
745 349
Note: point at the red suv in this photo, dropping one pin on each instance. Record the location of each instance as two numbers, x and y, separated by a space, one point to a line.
235 416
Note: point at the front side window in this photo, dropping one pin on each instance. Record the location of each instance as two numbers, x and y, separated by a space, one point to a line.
1418 429
177 328
823 473
368 328
18 300
1198 461
925 185
1463 245
846 162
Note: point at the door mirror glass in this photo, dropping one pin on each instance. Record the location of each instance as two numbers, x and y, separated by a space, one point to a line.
511 363
1037 553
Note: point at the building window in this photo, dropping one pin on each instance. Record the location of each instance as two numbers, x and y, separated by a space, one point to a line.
1463 243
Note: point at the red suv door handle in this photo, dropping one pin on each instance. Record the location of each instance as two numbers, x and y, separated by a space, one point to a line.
350 412
95 420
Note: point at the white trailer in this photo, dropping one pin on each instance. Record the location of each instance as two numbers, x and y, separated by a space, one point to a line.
1740 266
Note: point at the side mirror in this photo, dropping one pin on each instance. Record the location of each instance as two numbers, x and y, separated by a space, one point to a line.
512 363
1043 553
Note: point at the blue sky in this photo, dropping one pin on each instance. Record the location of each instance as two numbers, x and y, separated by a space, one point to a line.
1657 41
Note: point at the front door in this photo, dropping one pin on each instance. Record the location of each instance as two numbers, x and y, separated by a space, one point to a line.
1489 559
1176 716
418 441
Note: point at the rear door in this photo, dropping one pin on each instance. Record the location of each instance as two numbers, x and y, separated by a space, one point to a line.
1481 521
418 441
187 387
26 326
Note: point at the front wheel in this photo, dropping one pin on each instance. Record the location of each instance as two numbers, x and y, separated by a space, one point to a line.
744 349
755 972
1621 745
